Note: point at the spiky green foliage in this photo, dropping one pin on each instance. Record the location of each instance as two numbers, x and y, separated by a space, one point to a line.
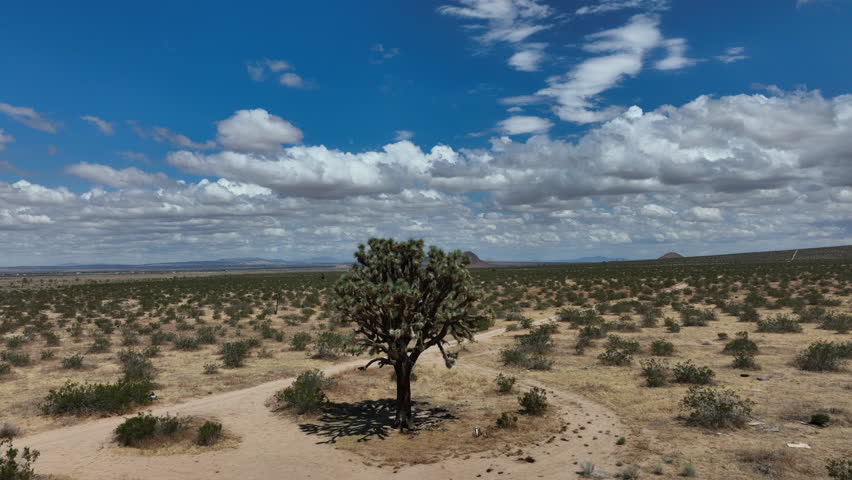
404 301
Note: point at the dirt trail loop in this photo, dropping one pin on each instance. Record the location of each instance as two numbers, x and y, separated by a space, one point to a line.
273 447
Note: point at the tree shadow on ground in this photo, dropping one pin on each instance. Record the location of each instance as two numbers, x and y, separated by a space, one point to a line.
370 419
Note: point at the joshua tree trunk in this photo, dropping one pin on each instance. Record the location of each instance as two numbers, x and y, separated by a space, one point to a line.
404 420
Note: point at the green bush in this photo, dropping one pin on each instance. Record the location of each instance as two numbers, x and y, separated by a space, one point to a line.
306 394
820 356
211 368
5 368
186 343
504 383
533 402
655 371
507 420
687 372
629 347
144 426
15 358
74 362
839 322
99 345
741 344
234 353
135 367
206 335
716 408
16 464
779 324
820 419
208 434
662 348
840 468
84 399
744 360
672 325
332 345
300 341
615 357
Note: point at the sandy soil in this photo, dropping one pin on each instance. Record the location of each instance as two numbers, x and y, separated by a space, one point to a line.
273 446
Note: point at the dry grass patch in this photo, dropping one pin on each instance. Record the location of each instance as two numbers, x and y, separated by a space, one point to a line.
449 405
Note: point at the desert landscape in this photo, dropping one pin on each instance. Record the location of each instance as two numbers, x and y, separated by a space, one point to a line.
437 240
616 349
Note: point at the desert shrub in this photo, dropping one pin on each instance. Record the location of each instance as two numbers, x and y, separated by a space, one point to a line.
234 353
811 315
51 338
159 338
47 354
662 348
332 345
688 470
507 420
741 344
211 368
300 341
722 336
627 346
539 362
744 360
83 399
820 419
839 468
16 464
144 426
629 473
839 322
715 408
16 342
748 314
99 345
687 372
591 332
779 324
533 402
513 356
151 351
74 362
208 434
5 368
186 343
820 356
306 394
504 383
525 322
530 349
129 338
616 357
655 371
135 367
206 335
9 430
672 325
17 359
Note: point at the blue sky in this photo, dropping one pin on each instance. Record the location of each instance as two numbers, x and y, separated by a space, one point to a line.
521 129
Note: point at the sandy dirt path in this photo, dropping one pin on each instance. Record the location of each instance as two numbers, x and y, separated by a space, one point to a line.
273 447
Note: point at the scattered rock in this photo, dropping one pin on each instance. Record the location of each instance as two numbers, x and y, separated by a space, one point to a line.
798 445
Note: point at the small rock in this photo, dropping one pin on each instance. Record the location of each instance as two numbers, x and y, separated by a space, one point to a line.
706 342
763 379
798 445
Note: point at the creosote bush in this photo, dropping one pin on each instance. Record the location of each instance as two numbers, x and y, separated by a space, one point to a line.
144 426
655 371
300 341
208 434
504 383
716 408
820 356
87 398
741 344
16 464
839 468
662 348
306 394
73 362
507 420
779 324
687 372
533 402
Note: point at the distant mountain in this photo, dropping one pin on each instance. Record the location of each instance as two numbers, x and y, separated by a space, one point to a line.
595 260
475 261
670 255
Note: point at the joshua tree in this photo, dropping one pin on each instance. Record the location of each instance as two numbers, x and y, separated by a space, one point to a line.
405 301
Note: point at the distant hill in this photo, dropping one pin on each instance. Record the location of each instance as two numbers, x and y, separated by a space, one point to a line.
842 253
594 260
670 255
475 261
